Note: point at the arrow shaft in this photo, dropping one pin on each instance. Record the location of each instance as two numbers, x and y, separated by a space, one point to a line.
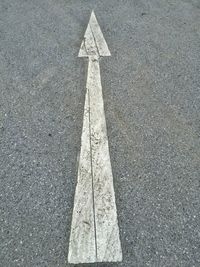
94 203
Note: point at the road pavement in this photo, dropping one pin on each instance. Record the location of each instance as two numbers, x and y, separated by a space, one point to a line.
151 91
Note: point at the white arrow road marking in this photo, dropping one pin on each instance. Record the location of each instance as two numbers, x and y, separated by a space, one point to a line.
94 232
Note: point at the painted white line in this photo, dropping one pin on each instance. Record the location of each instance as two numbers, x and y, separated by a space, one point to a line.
94 232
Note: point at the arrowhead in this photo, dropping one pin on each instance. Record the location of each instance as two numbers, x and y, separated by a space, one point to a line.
93 43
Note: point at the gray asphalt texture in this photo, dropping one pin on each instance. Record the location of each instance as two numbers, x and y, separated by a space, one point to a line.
151 88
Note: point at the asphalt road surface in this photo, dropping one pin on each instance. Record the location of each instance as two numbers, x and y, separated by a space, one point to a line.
151 89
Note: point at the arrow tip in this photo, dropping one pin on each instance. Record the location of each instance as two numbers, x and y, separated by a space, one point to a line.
93 43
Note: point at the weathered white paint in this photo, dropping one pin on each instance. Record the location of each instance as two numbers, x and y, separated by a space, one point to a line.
107 231
93 43
82 247
94 231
